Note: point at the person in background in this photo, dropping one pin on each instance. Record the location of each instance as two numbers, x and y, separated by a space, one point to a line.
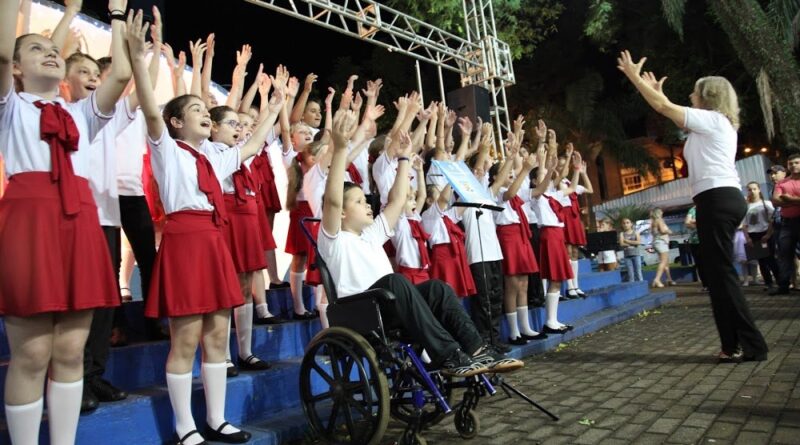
607 259
787 197
694 244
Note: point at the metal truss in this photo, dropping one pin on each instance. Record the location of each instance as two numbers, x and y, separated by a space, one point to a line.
480 59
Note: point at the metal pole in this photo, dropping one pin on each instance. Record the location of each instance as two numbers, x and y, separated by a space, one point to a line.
441 86
419 82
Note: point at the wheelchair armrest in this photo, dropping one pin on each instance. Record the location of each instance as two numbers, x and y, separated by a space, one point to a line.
380 295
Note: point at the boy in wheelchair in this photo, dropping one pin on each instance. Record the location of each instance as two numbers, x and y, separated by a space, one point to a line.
350 242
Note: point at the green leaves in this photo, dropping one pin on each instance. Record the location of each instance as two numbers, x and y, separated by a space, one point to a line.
673 13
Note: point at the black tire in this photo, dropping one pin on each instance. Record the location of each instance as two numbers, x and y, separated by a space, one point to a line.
467 424
409 438
402 407
344 393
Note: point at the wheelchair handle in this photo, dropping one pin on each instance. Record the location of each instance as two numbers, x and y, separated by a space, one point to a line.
306 232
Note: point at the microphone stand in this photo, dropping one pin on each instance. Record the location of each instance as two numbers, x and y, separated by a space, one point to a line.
496 379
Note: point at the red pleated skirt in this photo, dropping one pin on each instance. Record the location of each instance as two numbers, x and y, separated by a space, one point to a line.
265 228
268 191
414 275
574 232
242 234
449 264
50 262
296 241
193 272
313 276
518 257
553 259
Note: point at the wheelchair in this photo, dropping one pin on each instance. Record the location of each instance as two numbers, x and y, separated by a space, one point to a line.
363 370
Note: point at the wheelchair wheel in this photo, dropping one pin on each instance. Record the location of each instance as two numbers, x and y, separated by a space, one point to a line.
402 405
344 392
467 423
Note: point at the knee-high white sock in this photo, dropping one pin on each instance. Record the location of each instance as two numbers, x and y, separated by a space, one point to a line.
63 410
179 387
524 321
296 284
215 387
262 310
574 281
551 306
323 315
544 285
513 329
244 329
23 422
319 295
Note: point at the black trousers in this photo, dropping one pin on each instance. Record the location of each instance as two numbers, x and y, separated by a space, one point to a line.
719 213
138 227
767 265
95 354
432 314
535 289
698 263
489 297
788 236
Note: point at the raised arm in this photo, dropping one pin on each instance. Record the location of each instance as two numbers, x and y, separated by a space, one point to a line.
370 116
422 194
465 126
237 80
205 78
399 192
576 163
61 32
8 17
112 87
587 183
505 169
247 99
197 48
267 120
300 105
347 96
155 59
24 18
333 200
144 89
650 88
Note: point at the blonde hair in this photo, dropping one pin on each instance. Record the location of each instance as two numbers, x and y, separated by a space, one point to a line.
296 172
716 93
656 214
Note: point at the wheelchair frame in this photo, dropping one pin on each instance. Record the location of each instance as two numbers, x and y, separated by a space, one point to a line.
346 372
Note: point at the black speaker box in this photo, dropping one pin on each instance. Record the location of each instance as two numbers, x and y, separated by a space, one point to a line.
470 101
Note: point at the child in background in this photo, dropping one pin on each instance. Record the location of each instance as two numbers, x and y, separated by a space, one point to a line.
607 259
630 241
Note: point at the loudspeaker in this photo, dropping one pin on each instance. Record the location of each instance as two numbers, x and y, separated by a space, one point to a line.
470 101
600 241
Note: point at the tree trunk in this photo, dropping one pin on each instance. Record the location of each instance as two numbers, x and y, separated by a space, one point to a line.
759 46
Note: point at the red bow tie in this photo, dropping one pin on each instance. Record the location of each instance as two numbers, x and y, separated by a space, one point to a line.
208 183
58 129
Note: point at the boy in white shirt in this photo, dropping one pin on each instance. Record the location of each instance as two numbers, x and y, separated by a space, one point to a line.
350 243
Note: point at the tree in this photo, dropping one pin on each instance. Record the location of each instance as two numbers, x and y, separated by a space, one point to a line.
767 55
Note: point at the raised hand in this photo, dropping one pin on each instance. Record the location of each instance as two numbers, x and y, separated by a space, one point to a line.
405 145
166 50
653 82
541 131
264 84
552 141
374 113
451 119
358 101
156 33
425 115
210 43
465 125
569 149
309 82
329 98
197 48
344 123
628 67
293 87
417 163
243 56
577 160
519 123
276 101
135 32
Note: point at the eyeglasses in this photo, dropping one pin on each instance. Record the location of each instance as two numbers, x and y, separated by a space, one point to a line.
233 124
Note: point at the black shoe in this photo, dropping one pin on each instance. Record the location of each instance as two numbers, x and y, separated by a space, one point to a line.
306 316
106 392
281 285
188 435
218 436
89 401
580 293
269 320
539 336
724 357
460 365
253 363
548 330
501 347
232 370
779 291
519 341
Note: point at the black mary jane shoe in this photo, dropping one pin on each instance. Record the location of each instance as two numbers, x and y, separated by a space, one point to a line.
548 330
304 316
217 435
269 320
253 363
519 341
539 336
182 440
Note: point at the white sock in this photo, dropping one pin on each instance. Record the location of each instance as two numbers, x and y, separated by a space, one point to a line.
323 315
63 410
525 322
179 387
244 329
262 310
319 294
544 285
513 329
551 306
215 385
228 341
296 284
23 422
425 357
574 281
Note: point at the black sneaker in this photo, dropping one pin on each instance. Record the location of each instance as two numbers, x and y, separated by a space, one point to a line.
495 361
779 291
459 364
106 392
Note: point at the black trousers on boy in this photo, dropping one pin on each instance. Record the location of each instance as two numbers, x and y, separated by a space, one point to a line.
489 297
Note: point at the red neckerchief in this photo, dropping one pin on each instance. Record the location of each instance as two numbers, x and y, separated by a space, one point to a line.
355 176
556 206
208 183
516 203
58 129
576 208
243 181
419 234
